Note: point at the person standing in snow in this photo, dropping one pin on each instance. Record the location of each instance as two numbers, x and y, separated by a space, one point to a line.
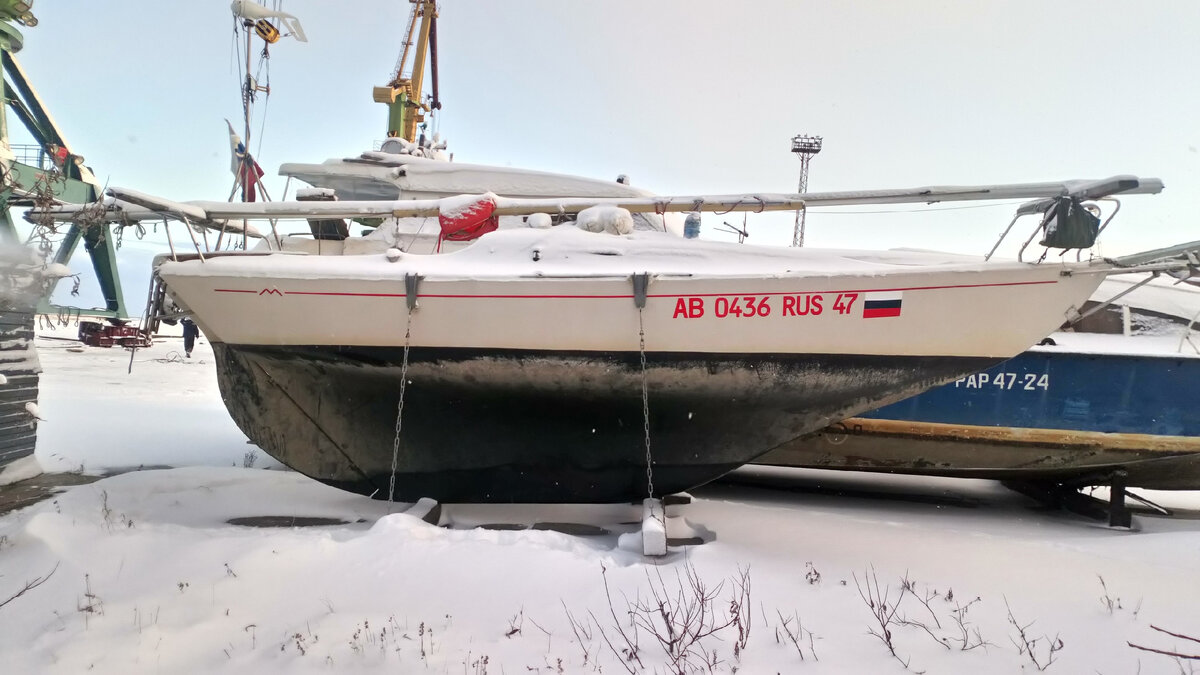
190 332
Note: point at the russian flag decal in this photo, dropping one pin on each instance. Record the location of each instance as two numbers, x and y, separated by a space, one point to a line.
882 304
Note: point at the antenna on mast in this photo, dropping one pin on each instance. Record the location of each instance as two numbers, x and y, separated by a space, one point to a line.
804 147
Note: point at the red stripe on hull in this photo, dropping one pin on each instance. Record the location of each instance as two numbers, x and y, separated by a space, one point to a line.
652 295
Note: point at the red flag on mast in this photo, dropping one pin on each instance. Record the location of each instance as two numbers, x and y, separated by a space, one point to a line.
243 166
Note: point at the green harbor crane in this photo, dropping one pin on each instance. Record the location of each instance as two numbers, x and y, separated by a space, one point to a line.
48 172
402 95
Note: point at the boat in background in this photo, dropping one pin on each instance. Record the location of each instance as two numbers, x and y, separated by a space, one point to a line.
394 173
1111 401
391 173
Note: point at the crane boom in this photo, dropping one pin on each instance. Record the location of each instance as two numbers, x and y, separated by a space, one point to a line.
403 94
398 71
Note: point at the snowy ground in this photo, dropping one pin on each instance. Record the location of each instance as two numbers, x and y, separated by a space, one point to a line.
146 575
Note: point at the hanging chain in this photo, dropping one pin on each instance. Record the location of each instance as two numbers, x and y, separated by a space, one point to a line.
645 406
399 412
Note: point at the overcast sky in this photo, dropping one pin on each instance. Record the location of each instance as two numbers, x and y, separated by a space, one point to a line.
685 96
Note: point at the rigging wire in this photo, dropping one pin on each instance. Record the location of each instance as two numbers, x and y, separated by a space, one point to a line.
264 63
420 229
262 127
235 66
234 52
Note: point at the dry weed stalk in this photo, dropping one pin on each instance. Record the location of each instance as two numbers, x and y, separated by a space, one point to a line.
301 641
110 517
1111 603
91 603
30 585
549 636
811 575
478 665
515 624
797 636
883 610
581 632
1177 655
683 618
387 637
910 586
960 633
1029 646
968 635
629 653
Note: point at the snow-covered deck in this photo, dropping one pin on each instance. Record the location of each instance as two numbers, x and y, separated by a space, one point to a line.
569 251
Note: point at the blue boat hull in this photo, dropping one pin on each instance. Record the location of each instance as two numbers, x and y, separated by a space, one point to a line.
1043 415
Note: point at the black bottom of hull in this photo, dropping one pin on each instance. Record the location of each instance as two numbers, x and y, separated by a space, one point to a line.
490 426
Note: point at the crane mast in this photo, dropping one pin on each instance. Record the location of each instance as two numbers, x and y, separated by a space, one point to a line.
402 94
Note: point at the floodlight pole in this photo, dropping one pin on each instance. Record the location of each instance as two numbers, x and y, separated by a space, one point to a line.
804 147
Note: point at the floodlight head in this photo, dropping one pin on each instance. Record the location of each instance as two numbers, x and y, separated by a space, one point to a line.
806 145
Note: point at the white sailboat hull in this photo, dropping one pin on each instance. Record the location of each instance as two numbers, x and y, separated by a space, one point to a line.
788 307
524 377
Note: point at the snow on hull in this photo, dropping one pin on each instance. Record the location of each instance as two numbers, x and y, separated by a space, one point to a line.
512 426
1164 295
387 176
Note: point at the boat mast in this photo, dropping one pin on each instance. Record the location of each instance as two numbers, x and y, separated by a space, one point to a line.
249 89
255 19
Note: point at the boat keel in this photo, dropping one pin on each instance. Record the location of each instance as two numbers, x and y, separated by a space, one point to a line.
544 427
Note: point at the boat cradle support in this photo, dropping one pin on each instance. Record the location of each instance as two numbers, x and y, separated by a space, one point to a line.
1066 495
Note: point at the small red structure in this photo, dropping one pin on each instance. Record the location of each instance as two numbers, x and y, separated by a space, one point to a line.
467 221
96 334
